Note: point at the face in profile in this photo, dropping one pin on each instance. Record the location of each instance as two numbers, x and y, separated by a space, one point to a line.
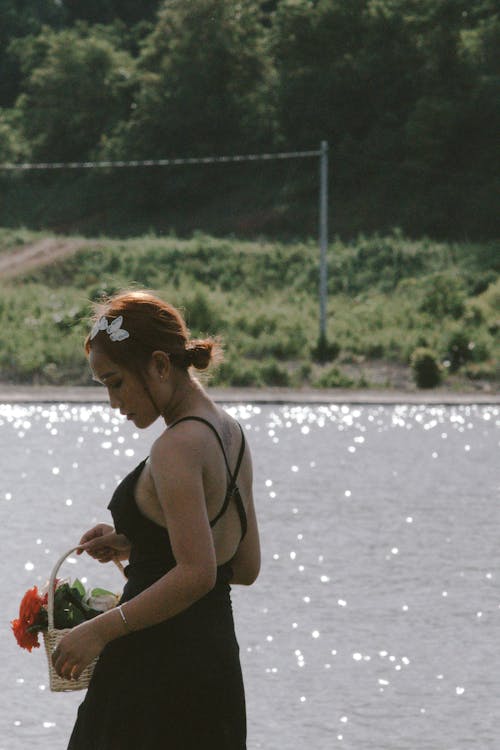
126 390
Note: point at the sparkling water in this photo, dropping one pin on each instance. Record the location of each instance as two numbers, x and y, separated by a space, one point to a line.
374 623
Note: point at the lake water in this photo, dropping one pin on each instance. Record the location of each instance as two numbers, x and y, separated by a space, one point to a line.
375 622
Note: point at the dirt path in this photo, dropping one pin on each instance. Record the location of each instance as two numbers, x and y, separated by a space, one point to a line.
38 254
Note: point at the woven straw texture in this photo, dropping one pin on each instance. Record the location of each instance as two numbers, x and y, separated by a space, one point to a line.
59 684
52 636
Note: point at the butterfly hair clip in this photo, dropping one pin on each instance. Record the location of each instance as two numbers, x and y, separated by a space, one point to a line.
113 329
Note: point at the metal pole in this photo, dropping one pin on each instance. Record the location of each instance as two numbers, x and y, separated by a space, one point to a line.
323 238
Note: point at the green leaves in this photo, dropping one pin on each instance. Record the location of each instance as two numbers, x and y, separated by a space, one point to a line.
200 77
78 587
59 125
387 296
70 607
405 92
101 592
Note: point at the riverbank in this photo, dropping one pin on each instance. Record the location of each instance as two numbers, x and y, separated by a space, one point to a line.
19 394
387 297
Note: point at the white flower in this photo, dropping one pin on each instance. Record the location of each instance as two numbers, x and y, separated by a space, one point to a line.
103 602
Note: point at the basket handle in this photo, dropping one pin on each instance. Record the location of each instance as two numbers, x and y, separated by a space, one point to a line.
52 582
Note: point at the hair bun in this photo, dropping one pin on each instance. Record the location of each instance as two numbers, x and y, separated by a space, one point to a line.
199 353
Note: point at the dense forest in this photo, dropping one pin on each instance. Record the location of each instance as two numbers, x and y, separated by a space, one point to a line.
406 92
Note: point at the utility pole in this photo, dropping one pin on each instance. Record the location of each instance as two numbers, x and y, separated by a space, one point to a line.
323 240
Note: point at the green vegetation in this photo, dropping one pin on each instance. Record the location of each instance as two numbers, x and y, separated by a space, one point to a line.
426 368
388 296
406 94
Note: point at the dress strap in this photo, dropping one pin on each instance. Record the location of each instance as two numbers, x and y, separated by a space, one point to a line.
241 512
232 488
219 439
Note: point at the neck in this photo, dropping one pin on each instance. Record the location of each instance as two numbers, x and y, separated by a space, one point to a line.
186 397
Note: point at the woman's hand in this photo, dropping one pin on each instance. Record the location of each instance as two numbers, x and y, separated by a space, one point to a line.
77 649
104 544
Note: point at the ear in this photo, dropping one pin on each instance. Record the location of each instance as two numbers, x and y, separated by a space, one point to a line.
160 364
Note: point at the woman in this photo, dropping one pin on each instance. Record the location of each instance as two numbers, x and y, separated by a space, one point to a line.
168 674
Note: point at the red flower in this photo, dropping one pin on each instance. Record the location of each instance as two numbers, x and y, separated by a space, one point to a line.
29 612
24 638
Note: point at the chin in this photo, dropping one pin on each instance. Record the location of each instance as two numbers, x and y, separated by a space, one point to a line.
144 421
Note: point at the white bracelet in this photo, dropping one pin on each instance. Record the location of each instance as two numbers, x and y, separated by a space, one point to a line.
125 621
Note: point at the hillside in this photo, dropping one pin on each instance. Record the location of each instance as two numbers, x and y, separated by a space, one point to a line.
387 297
405 93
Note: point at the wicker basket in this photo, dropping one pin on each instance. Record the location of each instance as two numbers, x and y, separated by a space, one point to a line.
52 636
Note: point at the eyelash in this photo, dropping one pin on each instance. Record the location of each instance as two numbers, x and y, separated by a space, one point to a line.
115 386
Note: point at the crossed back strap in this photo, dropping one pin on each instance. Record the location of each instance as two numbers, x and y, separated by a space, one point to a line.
232 488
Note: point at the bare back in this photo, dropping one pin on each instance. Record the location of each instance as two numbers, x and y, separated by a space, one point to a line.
227 531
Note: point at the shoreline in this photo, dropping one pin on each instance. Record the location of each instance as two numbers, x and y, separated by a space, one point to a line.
22 394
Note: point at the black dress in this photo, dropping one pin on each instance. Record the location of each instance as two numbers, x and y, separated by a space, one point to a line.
176 685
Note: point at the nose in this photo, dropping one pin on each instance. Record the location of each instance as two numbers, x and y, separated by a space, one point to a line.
114 401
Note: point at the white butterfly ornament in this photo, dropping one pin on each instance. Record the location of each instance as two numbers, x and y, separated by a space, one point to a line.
113 329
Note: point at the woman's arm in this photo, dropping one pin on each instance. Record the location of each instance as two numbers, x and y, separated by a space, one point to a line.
246 562
176 467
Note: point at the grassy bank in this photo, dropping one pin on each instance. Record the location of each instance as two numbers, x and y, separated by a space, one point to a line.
387 297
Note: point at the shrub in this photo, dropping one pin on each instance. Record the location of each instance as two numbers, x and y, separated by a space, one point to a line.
458 349
480 349
363 382
300 375
281 345
384 261
268 317
473 314
427 371
375 350
325 351
202 315
333 378
422 341
483 370
274 374
479 283
444 295
237 374
255 326
491 296
97 293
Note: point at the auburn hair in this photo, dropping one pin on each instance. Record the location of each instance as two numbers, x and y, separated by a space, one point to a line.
152 325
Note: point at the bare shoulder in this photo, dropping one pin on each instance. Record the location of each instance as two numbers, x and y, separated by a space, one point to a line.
233 435
177 446
187 441
229 427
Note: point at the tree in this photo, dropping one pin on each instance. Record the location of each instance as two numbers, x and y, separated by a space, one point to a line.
11 148
77 88
21 18
343 69
201 83
453 129
107 11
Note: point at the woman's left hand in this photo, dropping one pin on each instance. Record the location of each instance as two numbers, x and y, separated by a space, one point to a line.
77 649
